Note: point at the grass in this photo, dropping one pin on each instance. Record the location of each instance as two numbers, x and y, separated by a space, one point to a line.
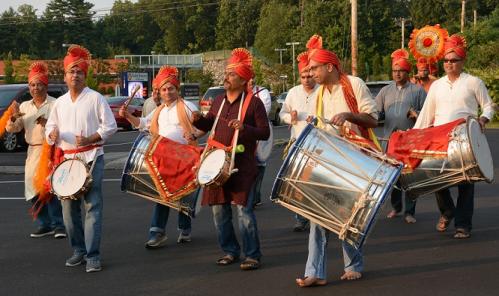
493 124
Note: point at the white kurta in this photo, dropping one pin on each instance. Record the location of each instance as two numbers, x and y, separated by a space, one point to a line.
149 106
88 114
34 134
264 95
447 101
168 122
334 102
303 103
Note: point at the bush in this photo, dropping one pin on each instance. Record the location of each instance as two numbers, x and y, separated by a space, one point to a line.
490 77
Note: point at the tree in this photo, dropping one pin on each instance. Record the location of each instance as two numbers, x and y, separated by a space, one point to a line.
9 69
90 79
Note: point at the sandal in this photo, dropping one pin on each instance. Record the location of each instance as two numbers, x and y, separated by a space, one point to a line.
226 260
462 233
443 224
250 264
310 282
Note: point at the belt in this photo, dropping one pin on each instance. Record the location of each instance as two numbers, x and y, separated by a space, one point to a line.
35 144
82 149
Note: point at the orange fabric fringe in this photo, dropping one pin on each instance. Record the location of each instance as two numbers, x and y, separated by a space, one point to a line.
40 179
5 119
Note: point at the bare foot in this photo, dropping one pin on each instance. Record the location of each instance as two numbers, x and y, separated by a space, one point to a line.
310 282
351 275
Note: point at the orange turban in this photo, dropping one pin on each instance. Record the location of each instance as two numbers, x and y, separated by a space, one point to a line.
241 62
422 64
400 57
166 74
434 68
302 59
320 55
77 56
38 71
455 43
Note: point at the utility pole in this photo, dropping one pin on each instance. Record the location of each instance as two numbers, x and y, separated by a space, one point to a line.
403 22
403 33
354 36
302 7
474 19
292 44
463 9
152 57
280 50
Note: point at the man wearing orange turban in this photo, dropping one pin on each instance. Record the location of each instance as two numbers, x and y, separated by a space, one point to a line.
346 101
423 77
399 104
297 111
152 102
79 124
31 116
454 96
253 126
170 120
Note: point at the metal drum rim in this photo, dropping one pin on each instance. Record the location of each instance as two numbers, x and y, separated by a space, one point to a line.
124 173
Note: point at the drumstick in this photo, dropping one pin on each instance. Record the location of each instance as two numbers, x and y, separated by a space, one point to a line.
130 98
74 157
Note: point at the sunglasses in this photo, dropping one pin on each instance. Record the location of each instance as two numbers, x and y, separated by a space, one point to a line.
452 61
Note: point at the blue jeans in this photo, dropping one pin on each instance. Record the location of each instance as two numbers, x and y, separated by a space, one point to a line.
396 200
50 215
160 218
86 240
222 216
301 219
317 255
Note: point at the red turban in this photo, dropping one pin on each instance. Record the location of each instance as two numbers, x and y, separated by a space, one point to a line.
400 57
302 59
241 63
320 55
38 71
455 43
77 56
423 64
166 74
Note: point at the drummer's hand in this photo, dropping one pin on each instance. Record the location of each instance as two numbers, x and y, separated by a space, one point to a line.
196 115
236 124
294 117
189 136
412 114
309 119
54 134
82 141
483 121
41 121
340 118
123 112
15 111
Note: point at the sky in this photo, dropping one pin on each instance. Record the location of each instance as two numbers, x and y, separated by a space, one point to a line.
40 5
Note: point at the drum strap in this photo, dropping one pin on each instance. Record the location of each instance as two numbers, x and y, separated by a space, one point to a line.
82 149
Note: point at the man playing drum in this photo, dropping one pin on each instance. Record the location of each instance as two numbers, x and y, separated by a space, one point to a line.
166 121
80 122
238 188
456 95
32 116
346 101
399 103
297 111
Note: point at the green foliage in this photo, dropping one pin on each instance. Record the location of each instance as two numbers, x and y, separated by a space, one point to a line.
90 80
490 77
205 79
9 69
22 68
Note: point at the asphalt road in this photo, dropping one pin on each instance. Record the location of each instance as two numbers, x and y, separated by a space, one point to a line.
400 259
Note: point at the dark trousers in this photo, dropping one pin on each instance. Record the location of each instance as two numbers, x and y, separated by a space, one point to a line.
463 210
410 202
258 184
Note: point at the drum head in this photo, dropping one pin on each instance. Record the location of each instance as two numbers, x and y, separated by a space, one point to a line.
211 166
481 150
69 177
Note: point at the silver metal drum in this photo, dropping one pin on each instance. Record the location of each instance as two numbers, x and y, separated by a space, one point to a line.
335 183
468 160
136 180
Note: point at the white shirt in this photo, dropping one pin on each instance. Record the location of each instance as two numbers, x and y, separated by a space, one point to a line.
264 95
334 102
303 103
168 122
34 133
149 106
88 114
447 101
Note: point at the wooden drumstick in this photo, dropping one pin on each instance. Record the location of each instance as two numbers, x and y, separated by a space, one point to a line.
130 98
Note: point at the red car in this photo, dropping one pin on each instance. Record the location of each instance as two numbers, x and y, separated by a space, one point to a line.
135 108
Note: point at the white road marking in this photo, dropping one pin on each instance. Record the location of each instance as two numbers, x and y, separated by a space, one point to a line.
104 180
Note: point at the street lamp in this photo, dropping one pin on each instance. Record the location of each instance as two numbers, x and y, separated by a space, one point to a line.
292 44
284 78
280 50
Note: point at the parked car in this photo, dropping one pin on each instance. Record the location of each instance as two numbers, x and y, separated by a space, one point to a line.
190 92
376 86
135 108
20 93
208 97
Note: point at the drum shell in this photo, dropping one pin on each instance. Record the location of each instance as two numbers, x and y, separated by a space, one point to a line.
337 166
221 177
460 155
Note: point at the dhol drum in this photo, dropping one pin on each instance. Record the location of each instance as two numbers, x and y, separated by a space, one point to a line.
334 183
468 160
71 179
264 148
214 170
136 179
